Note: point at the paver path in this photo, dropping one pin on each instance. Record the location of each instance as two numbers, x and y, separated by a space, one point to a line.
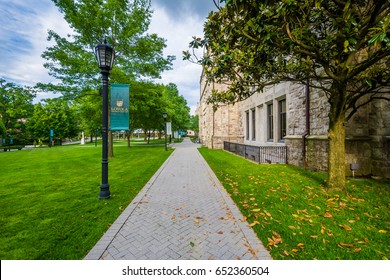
183 212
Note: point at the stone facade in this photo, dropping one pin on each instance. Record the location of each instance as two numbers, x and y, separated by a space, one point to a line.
217 126
277 117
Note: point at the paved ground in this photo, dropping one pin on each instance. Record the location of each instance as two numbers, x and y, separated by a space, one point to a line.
183 212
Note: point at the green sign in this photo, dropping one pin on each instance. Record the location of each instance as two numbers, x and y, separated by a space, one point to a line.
119 107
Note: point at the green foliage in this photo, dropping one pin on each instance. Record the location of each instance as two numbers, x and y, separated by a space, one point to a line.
194 123
15 107
339 47
55 114
148 101
57 215
296 218
88 109
253 44
124 23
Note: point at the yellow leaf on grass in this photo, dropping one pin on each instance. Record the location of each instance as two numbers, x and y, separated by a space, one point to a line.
314 236
291 227
382 231
301 245
254 223
346 227
345 244
357 250
294 250
351 221
256 210
328 215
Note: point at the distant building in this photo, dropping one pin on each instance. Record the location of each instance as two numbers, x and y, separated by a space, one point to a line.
277 117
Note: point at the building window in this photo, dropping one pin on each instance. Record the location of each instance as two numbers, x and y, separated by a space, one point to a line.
253 124
247 125
270 122
282 119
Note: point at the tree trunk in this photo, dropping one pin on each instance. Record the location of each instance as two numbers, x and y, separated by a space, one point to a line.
336 163
336 136
128 136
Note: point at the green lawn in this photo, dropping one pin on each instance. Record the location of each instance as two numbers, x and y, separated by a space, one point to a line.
49 197
296 218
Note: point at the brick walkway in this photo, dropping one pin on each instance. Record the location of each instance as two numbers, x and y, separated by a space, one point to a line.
184 213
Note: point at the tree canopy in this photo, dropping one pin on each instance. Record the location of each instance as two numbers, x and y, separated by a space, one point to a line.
53 114
124 23
15 107
342 47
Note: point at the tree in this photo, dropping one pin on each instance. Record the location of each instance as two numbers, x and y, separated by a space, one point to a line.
342 47
125 23
15 108
176 107
194 123
55 114
89 113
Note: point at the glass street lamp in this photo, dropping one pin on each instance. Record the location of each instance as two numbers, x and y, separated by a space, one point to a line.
105 55
165 115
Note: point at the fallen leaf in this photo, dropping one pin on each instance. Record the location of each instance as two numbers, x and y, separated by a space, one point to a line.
275 240
382 231
243 219
256 210
173 216
301 245
345 227
357 250
314 236
220 232
268 214
196 221
291 227
328 215
294 250
254 223
351 221
345 244
286 253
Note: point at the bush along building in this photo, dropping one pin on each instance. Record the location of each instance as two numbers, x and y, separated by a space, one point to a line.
288 123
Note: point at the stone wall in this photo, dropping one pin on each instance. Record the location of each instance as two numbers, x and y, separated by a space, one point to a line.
216 126
367 132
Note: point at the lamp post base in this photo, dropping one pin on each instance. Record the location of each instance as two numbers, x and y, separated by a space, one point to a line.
104 191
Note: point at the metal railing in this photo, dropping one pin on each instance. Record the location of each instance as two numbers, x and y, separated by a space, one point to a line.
259 154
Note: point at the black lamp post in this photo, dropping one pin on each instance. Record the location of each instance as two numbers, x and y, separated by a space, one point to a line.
105 56
165 115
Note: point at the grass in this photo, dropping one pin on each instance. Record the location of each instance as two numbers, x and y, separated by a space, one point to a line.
49 197
296 218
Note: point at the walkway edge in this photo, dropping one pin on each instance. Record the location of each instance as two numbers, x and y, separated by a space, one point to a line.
98 250
253 241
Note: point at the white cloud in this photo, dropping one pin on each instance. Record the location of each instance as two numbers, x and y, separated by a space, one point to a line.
24 38
185 75
26 33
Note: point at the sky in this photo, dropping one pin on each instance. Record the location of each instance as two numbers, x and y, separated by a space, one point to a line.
23 34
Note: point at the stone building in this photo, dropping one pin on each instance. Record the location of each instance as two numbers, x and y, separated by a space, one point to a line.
292 115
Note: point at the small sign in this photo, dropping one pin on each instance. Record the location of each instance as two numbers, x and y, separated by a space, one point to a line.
51 132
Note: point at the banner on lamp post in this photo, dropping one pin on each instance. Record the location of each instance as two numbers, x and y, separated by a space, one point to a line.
169 128
119 107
